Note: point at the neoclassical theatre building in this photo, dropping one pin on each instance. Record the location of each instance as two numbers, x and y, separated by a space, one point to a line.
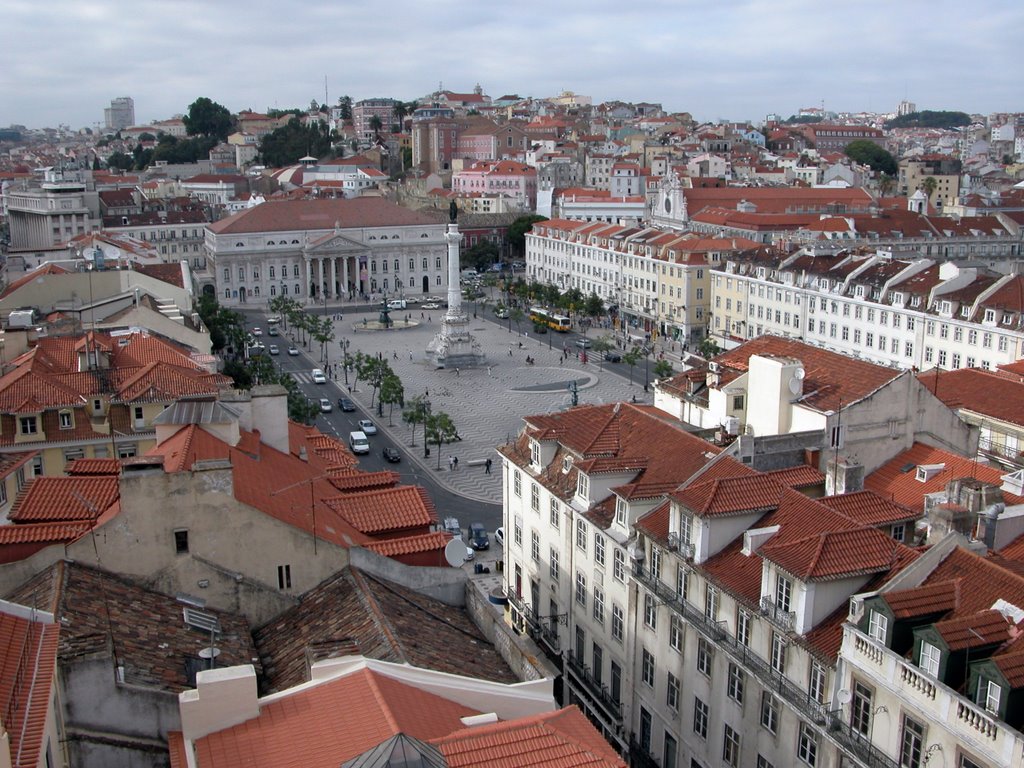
318 250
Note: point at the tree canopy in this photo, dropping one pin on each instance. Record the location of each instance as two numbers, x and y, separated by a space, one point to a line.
294 140
479 256
517 230
930 119
208 118
870 154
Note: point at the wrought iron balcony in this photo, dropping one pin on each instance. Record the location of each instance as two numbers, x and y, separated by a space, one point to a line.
640 757
782 619
525 610
1001 452
593 689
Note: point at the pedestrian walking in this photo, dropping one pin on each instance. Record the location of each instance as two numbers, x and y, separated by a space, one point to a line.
394 355
410 354
451 463
455 462
457 372
487 467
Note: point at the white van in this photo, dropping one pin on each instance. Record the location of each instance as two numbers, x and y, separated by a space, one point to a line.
358 442
396 304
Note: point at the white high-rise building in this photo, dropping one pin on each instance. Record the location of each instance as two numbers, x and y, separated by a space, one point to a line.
120 114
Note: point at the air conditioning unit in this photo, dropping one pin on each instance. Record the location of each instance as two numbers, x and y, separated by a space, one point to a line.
673 540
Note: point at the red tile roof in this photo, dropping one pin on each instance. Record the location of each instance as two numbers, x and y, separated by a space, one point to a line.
42 533
931 598
981 628
834 554
897 479
293 215
65 499
28 663
988 393
868 508
323 725
93 467
390 509
731 496
409 545
831 380
563 738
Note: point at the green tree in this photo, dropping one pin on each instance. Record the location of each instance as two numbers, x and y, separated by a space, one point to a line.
930 119
376 123
208 118
392 393
594 306
293 140
708 348
147 136
662 369
226 327
929 185
345 102
120 160
886 184
415 413
516 316
632 358
601 345
517 231
406 158
870 154
439 429
479 256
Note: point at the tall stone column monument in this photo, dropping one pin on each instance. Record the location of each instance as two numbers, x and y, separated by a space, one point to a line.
454 346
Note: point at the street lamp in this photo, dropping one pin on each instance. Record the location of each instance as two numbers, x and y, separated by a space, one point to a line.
426 415
343 343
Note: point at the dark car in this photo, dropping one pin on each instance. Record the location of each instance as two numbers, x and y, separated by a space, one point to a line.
478 538
392 455
613 357
346 405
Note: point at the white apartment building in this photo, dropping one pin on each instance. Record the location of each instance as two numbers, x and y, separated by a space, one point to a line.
695 605
908 314
315 249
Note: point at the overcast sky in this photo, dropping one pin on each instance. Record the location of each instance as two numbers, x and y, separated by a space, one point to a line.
62 61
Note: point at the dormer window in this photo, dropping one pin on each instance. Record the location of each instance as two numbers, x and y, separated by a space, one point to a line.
620 511
29 425
878 626
783 592
915 301
990 315
566 464
929 659
989 694
582 485
65 419
535 453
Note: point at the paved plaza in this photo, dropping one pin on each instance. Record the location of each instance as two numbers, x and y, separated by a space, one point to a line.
486 404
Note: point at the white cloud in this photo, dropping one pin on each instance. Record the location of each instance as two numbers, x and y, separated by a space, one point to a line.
63 61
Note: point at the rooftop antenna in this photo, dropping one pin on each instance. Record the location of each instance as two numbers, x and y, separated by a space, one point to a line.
326 100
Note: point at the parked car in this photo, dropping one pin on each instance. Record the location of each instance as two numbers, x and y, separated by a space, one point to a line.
325 405
613 357
583 343
257 332
368 426
318 376
501 313
346 405
293 351
392 455
274 349
412 300
478 538
470 554
451 524
499 536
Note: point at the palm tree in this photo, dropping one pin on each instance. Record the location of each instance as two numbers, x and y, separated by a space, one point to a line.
929 185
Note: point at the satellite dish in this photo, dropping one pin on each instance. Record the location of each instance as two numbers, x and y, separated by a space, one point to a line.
455 552
795 386
843 696
800 373
209 653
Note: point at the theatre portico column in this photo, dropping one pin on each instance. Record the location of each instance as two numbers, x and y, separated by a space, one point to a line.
334 277
307 272
320 277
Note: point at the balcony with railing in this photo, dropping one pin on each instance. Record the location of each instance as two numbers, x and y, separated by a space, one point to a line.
640 757
951 713
783 619
769 678
1012 456
594 690
539 628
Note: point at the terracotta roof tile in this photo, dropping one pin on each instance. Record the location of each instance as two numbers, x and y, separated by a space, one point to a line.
409 545
65 499
971 630
988 393
389 509
42 533
985 580
834 554
731 496
93 467
801 476
563 738
897 478
868 508
326 724
830 379
932 598
28 653
287 215
1012 666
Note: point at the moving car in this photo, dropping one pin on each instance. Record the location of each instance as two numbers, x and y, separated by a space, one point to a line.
368 426
478 538
272 331
612 357
358 443
257 332
583 343
318 376
346 405
325 405
274 350
293 351
392 455
431 305
396 304
501 313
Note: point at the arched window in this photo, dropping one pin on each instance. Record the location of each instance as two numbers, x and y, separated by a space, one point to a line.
227 293
295 271
256 291
296 289
273 290
271 272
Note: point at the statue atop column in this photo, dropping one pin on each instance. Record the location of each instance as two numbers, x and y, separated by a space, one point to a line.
453 212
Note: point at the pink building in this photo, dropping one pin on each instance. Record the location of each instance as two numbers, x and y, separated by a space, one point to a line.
505 177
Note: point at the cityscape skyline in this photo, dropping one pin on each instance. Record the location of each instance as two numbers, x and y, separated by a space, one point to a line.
736 60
